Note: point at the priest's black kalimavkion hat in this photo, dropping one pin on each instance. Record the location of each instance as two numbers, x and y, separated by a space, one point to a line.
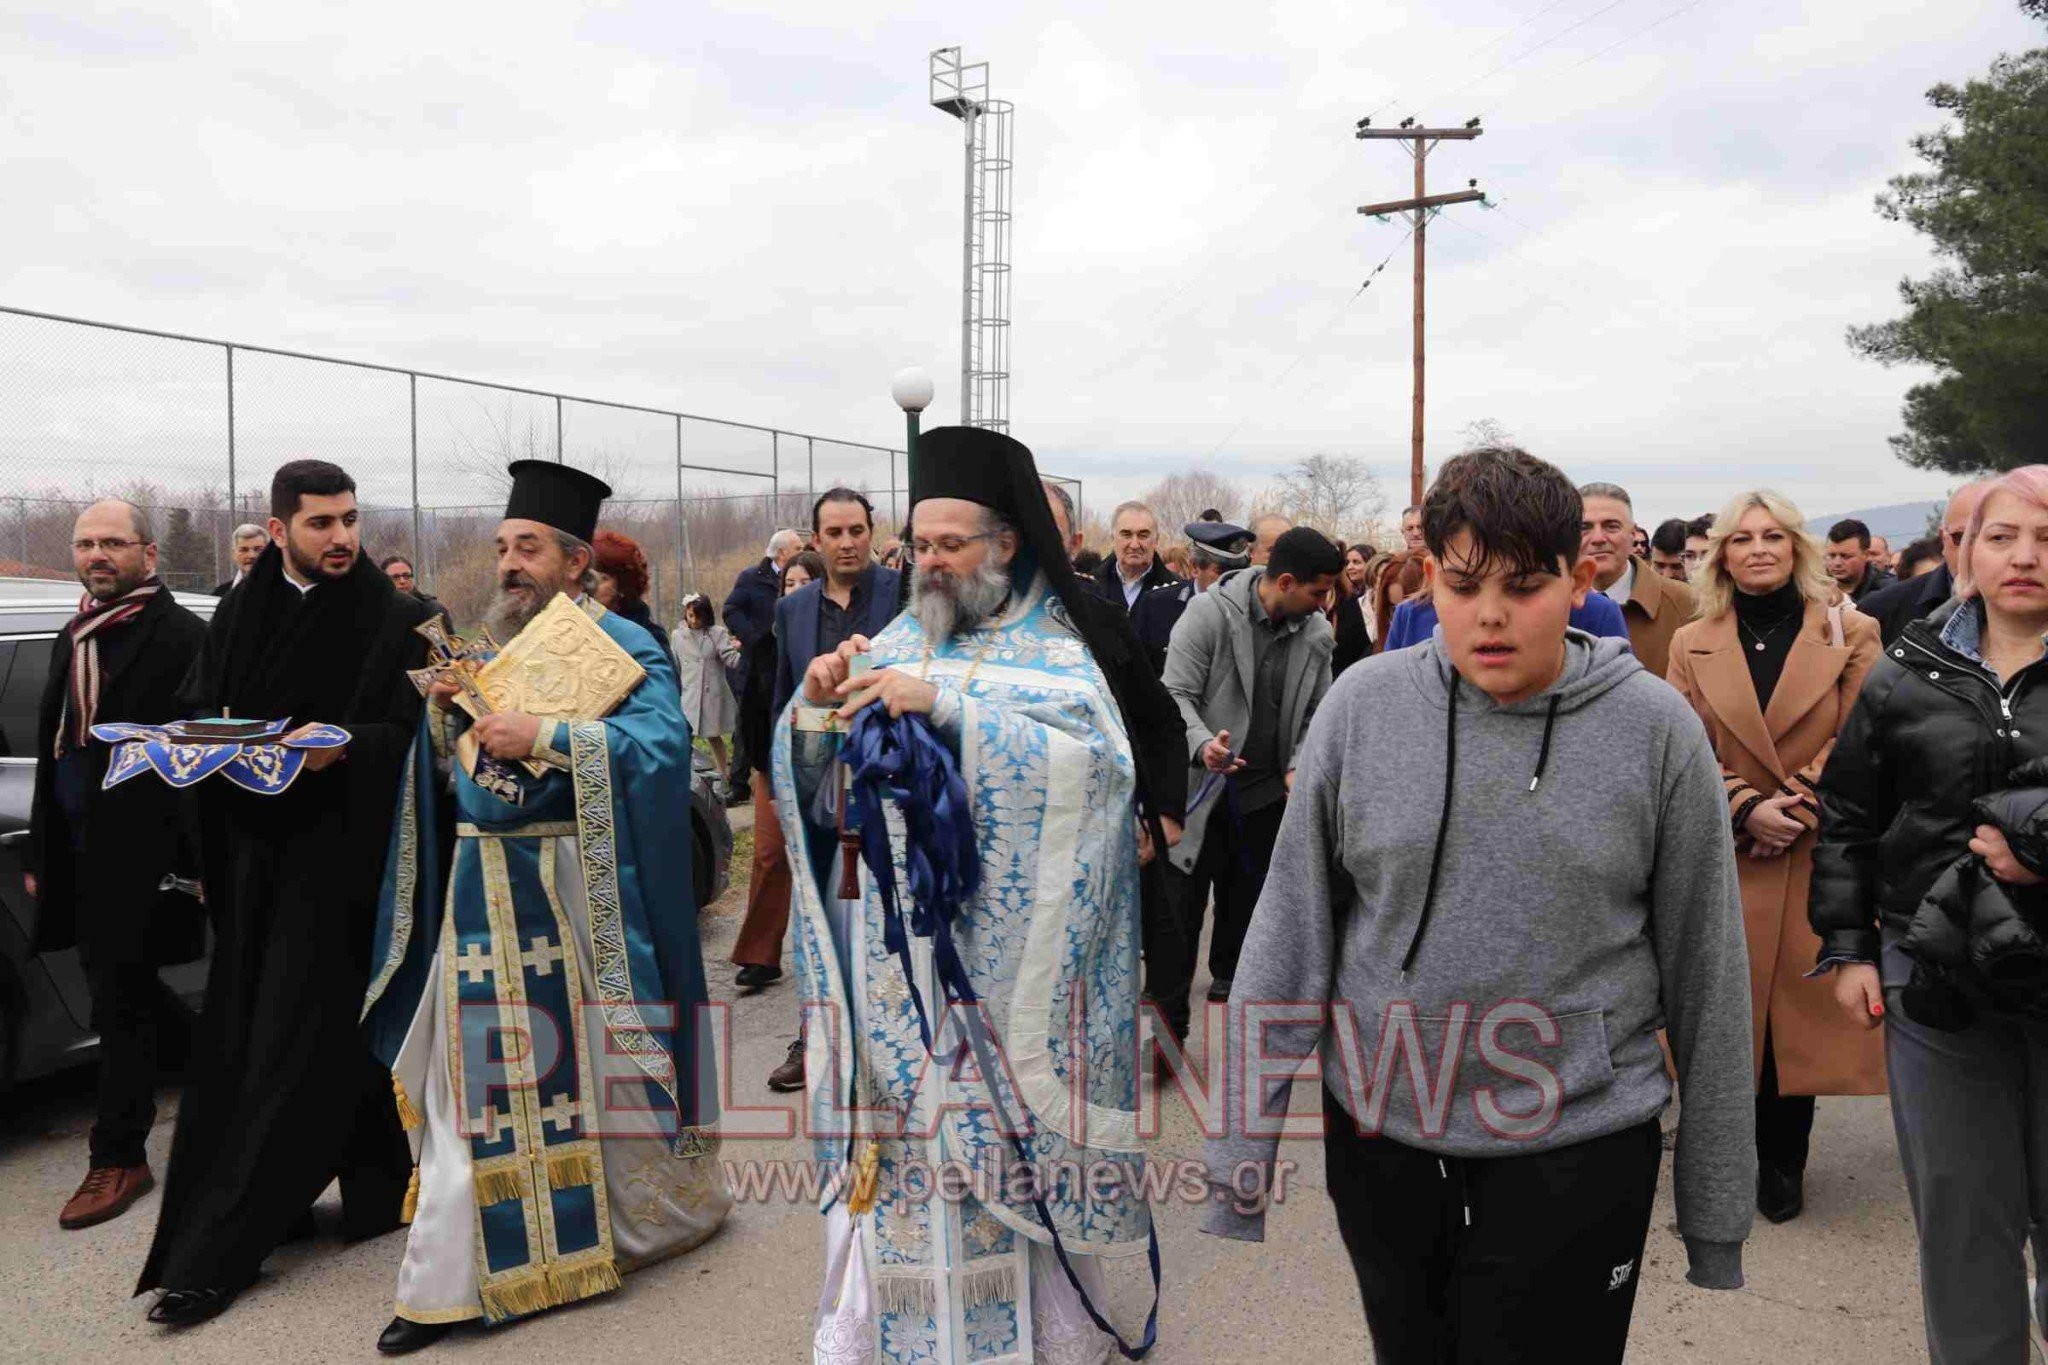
556 495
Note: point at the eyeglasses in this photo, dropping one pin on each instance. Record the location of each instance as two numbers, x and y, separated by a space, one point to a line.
945 545
111 544
1693 556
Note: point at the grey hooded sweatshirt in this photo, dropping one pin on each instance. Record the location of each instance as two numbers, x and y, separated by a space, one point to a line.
1491 956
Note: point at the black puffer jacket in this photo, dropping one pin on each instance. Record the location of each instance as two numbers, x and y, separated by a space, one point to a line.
1976 942
1930 734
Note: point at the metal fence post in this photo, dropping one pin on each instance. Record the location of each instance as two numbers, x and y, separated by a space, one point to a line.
558 428
686 569
234 507
412 396
775 477
810 469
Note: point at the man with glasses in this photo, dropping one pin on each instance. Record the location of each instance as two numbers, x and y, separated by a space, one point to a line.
1898 606
246 543
1000 680
97 858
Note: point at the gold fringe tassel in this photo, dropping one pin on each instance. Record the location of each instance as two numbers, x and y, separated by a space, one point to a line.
567 1284
411 1206
529 1293
569 1169
408 1117
495 1187
867 1175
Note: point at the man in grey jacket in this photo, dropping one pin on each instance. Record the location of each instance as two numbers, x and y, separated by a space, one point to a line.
1479 960
1248 663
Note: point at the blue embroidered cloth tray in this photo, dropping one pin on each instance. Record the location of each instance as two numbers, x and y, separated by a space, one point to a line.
255 756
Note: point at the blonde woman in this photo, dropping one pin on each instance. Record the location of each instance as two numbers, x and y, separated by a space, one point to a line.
1772 664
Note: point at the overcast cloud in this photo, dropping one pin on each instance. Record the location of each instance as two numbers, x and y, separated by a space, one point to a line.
756 215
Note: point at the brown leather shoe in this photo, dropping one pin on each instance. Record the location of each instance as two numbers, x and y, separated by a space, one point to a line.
106 1193
790 1075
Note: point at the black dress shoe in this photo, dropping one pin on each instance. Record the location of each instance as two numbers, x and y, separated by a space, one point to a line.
303 1229
189 1307
404 1336
754 976
1219 990
1780 1194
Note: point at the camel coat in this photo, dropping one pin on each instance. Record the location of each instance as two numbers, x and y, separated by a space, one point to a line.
1656 608
1774 752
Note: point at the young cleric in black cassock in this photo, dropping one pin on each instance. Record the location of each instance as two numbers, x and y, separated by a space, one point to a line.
285 1096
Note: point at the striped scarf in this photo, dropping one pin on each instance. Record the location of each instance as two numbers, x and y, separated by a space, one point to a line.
82 697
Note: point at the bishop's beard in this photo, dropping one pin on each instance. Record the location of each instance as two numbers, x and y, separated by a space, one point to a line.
948 604
509 613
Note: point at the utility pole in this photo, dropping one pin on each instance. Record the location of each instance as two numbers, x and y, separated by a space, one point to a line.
1424 206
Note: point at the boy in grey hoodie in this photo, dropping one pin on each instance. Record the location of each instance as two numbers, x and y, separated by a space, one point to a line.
1477 934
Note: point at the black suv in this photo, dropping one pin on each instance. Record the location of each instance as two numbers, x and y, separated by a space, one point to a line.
45 1015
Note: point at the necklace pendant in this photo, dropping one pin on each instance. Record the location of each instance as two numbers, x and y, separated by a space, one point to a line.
1758 646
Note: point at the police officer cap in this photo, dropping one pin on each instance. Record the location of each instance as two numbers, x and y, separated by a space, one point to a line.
1219 536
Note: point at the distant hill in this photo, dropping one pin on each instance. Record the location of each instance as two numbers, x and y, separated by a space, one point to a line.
1900 522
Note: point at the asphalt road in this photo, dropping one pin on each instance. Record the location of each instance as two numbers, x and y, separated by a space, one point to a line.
1838 1284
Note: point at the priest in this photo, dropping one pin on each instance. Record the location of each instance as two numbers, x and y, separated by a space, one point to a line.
996 1039
542 1017
284 1096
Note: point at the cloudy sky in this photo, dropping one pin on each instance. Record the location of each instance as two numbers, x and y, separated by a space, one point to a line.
755 215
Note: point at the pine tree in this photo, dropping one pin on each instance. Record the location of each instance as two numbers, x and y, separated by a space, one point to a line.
1981 319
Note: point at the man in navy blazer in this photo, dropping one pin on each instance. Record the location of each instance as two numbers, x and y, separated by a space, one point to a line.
856 597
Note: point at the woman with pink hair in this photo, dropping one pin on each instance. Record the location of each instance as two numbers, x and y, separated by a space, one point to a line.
1954 706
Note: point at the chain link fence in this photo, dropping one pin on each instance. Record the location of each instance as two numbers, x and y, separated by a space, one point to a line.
190 429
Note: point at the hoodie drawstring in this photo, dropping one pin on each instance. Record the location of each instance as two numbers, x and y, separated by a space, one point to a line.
1443 825
1543 755
1443 819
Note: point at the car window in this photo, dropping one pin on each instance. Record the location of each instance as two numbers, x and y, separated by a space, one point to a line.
22 694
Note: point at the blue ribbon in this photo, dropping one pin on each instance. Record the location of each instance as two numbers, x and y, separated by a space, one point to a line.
901 759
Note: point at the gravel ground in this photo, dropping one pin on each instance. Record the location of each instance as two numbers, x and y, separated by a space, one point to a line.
1838 1284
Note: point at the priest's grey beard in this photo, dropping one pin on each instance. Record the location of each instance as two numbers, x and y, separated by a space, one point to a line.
508 615
947 604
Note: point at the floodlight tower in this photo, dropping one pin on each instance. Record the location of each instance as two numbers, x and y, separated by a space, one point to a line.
962 91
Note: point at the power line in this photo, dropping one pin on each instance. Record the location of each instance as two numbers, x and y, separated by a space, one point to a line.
1530 51
1483 47
1509 249
1658 22
1322 332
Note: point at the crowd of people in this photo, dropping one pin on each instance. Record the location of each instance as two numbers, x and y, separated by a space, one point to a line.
1515 828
